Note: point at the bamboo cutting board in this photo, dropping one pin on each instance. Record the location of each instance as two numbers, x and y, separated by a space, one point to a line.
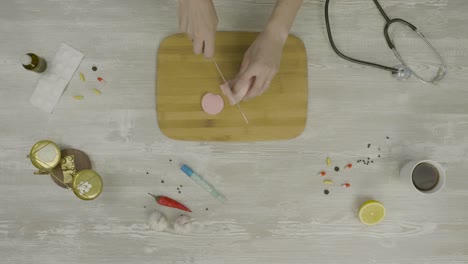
183 78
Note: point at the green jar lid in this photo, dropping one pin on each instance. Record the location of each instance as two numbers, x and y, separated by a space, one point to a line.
87 185
45 155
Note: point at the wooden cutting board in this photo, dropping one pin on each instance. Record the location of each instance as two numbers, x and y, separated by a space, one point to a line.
183 78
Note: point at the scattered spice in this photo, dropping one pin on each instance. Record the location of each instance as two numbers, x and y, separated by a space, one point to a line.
326 192
328 162
82 77
349 166
337 168
94 68
78 97
101 80
328 182
346 185
96 91
323 173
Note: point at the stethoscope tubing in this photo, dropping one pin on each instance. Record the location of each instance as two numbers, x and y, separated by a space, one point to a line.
388 22
342 55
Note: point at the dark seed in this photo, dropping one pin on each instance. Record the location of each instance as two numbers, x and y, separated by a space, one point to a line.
379 156
326 192
368 145
170 160
337 168
147 172
181 186
144 206
94 68
179 192
368 158
372 161
207 209
388 137
162 181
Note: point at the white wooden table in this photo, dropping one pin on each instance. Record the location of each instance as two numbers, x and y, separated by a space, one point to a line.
277 212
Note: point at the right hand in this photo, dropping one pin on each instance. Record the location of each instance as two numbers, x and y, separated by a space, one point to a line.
259 66
198 19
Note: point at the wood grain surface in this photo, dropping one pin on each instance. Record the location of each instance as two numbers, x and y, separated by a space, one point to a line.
183 78
277 212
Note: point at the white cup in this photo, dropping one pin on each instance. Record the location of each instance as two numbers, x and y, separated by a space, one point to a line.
406 175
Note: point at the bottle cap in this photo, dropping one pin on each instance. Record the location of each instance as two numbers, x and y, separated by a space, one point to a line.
87 185
26 60
45 155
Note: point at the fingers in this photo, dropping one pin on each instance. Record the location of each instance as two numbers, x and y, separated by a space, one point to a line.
244 65
256 88
236 89
203 45
266 86
260 87
197 46
209 47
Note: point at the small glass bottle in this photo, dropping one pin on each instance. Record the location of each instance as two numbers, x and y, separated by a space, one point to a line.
34 63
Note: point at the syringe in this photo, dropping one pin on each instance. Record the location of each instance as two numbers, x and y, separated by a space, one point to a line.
203 183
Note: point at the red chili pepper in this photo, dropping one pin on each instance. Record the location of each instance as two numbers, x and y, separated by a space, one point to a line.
166 201
349 166
323 173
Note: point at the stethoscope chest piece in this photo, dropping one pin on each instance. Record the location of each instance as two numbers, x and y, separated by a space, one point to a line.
403 73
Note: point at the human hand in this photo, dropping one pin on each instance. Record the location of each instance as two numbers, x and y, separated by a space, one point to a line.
259 66
198 19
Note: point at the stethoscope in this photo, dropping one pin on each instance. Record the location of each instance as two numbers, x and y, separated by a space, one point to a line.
401 72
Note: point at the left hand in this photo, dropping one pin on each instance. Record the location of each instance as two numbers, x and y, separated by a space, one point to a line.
259 66
199 20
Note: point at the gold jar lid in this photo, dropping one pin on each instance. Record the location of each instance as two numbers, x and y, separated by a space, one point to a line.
45 155
87 185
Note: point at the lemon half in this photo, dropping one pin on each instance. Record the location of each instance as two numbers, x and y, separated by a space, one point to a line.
371 212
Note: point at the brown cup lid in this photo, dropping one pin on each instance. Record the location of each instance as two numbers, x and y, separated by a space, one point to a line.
72 162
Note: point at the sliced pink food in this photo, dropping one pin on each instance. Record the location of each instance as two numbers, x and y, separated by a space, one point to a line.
212 104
